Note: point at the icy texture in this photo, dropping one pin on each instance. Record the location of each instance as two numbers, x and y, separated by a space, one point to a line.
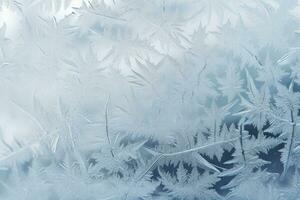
149 99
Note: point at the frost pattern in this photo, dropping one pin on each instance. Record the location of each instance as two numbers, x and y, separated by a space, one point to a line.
149 99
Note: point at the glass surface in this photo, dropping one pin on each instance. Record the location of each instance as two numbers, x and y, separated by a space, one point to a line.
149 99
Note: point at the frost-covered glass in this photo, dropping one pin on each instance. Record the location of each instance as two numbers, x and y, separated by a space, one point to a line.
149 99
